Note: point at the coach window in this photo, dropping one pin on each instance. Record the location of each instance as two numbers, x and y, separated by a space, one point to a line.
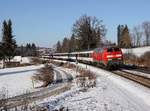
87 55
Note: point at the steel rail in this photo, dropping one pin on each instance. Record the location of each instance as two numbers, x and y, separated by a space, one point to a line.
136 78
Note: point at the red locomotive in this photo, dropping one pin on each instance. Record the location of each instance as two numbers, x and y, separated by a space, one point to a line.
108 56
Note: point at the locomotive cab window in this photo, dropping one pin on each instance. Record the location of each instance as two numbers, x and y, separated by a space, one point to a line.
116 49
113 49
110 50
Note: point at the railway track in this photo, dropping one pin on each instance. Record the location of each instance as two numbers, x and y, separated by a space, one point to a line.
34 96
60 85
136 78
145 81
136 68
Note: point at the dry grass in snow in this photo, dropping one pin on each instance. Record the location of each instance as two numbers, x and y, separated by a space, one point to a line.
45 75
86 79
143 60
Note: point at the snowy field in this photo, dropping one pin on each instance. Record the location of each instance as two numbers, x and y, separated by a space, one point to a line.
137 51
20 59
16 81
112 93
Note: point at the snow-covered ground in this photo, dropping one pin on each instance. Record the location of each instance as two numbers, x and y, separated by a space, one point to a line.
25 60
112 93
20 59
18 69
137 51
17 80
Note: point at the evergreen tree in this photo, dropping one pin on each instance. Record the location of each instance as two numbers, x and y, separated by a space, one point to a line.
118 34
65 45
33 47
72 44
8 41
1 52
58 47
27 49
120 29
125 38
22 50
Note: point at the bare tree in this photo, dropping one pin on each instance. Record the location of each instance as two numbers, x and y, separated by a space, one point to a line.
137 34
146 27
89 32
133 39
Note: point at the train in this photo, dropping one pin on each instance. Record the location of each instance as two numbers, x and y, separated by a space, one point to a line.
107 57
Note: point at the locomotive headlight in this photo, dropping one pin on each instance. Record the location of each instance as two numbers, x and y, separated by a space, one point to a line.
119 58
118 55
109 56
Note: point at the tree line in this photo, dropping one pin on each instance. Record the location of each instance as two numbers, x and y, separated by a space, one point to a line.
27 50
138 36
87 33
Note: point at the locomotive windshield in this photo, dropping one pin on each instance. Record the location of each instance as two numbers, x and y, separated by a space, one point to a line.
113 49
116 49
110 50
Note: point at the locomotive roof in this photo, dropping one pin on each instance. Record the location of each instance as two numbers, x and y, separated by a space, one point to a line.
107 47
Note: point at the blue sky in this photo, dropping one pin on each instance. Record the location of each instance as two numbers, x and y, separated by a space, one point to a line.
44 22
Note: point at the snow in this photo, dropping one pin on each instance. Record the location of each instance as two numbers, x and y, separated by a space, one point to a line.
112 93
137 51
25 60
22 60
17 80
135 89
16 59
19 69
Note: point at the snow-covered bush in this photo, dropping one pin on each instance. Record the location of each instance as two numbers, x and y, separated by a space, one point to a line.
143 60
45 75
36 60
57 63
130 58
68 65
86 79
3 99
